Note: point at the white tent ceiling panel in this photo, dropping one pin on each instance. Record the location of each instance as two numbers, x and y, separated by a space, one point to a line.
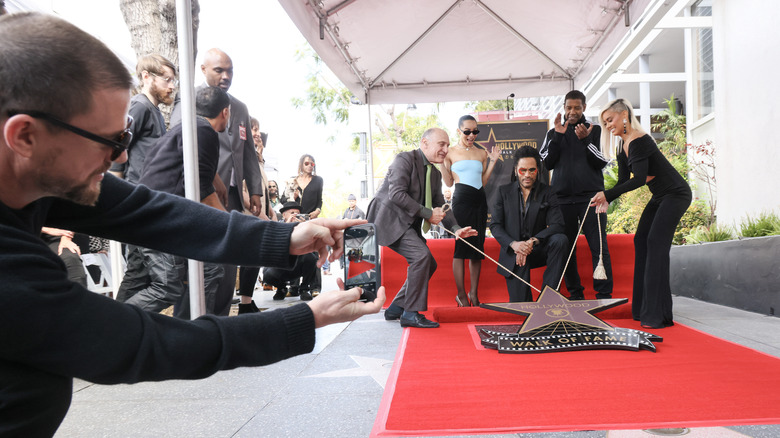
405 51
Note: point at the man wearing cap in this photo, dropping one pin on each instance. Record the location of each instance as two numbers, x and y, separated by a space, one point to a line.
353 212
305 266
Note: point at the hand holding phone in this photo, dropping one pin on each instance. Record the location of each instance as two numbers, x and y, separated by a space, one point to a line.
361 260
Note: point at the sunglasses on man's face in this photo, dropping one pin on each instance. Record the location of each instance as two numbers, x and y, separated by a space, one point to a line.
468 132
119 143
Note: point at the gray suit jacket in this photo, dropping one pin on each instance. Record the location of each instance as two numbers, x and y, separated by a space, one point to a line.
237 151
398 203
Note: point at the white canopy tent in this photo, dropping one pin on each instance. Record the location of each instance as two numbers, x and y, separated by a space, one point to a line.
412 51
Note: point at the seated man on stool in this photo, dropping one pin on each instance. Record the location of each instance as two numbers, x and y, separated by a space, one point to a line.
305 265
528 223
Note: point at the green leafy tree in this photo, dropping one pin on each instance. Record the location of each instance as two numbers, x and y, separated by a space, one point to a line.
327 98
489 105
404 129
329 101
675 142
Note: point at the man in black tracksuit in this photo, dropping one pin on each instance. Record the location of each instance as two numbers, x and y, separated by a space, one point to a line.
571 151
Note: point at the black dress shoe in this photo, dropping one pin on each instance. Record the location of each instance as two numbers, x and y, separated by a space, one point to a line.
247 308
305 295
393 312
280 294
419 321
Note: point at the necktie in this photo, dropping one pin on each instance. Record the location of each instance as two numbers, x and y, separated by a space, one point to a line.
426 226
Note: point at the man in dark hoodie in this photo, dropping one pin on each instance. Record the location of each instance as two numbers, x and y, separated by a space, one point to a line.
571 150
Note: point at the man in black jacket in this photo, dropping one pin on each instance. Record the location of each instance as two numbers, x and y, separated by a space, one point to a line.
528 224
63 114
164 171
571 151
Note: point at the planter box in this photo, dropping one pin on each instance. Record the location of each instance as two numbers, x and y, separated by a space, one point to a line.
744 274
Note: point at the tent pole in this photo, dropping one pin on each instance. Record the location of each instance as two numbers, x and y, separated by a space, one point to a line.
190 139
370 147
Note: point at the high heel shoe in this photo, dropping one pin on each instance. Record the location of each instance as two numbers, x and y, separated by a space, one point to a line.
460 304
474 300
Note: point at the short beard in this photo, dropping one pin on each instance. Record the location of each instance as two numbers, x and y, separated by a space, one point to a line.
81 194
161 95
55 185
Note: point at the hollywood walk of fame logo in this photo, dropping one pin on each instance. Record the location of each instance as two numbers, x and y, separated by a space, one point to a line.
554 323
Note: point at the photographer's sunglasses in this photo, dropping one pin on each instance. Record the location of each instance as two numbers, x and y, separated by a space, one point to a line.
119 144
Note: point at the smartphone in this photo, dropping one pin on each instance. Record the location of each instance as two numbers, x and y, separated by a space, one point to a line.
361 260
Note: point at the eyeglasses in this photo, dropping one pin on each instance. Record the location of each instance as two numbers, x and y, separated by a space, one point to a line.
272 187
172 81
469 132
523 171
119 144
307 163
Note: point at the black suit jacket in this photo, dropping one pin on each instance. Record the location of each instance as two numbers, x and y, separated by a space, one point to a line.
398 203
544 218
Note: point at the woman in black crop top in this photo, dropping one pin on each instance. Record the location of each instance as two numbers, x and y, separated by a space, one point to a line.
639 155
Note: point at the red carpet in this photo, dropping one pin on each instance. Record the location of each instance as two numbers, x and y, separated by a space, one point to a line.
492 285
444 383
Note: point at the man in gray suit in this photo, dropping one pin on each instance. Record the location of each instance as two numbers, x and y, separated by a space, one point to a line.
237 161
399 212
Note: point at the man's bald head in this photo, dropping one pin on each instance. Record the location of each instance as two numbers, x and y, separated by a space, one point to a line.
217 67
435 144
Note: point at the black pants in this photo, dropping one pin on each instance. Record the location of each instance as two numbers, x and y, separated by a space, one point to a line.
652 302
572 215
551 253
227 286
136 274
247 277
305 268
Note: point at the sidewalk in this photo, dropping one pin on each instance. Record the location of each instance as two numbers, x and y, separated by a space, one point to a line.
334 391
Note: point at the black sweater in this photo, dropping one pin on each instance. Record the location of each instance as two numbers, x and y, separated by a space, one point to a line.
50 324
645 159
576 163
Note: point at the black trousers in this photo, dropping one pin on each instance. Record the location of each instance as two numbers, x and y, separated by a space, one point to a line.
247 277
551 253
305 268
227 286
652 302
573 214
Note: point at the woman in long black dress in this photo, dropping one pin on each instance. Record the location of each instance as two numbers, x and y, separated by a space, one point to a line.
638 154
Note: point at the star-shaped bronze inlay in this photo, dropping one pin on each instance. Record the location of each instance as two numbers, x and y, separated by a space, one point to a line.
551 307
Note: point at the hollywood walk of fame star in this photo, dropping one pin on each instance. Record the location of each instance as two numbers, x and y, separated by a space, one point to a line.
552 307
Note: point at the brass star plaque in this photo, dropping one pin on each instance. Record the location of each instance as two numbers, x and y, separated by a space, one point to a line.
554 323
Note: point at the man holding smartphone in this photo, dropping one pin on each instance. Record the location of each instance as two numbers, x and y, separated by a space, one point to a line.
402 207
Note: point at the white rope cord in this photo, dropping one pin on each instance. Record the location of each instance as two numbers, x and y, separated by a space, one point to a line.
574 246
491 259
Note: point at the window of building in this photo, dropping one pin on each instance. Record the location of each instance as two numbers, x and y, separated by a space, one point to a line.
704 84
